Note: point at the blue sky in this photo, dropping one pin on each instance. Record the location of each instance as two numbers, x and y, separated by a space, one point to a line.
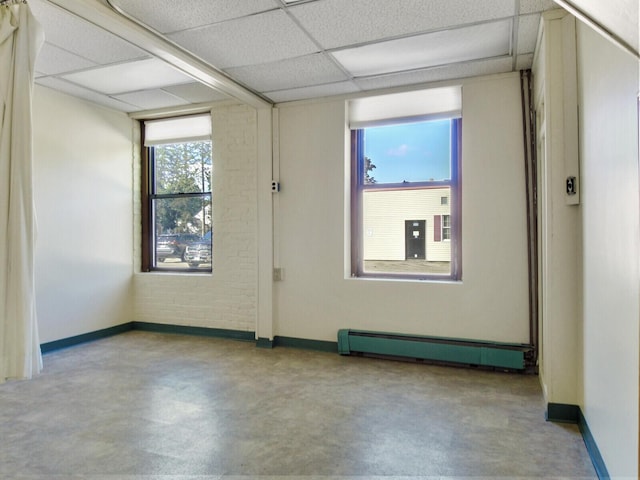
412 152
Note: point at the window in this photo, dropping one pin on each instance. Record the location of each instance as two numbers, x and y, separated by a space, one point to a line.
405 197
446 227
176 195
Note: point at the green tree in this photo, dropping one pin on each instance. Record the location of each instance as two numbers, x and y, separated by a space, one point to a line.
368 167
183 168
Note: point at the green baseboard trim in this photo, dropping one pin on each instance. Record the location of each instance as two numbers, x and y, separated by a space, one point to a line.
562 413
592 448
84 338
306 344
264 343
197 331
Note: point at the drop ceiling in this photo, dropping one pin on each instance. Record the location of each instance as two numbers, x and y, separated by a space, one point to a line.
281 50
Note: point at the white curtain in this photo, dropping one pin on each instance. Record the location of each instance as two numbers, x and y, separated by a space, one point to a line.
20 40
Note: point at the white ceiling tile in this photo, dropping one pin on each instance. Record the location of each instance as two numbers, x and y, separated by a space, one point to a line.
76 91
297 72
337 23
80 37
151 99
174 15
196 92
528 32
432 49
317 91
128 77
461 70
524 62
52 60
262 38
533 6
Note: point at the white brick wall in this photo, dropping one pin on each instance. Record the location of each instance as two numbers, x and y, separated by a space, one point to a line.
227 298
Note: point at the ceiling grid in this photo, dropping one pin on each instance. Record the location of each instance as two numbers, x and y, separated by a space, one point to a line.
283 50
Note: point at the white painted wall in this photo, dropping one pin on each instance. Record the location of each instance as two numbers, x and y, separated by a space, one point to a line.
609 168
228 297
315 299
83 197
559 219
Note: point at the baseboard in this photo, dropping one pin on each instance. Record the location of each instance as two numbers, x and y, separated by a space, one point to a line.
302 343
85 337
197 331
306 344
563 413
147 327
264 343
592 448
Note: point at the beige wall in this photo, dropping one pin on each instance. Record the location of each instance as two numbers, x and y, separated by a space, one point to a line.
316 297
83 198
558 216
608 80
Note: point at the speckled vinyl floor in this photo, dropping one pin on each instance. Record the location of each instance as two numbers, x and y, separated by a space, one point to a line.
157 406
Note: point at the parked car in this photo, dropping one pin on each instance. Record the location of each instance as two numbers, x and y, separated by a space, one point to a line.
199 252
173 245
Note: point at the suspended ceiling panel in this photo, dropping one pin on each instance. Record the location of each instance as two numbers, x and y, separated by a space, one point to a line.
428 50
436 74
338 23
282 51
120 78
251 40
86 61
290 73
188 14
81 38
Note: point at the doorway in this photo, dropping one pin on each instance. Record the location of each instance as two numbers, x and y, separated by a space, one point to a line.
414 237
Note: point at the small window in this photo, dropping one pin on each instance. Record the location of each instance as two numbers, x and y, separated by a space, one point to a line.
176 195
446 227
406 200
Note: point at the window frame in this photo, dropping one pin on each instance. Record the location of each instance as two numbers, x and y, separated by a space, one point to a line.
358 187
147 218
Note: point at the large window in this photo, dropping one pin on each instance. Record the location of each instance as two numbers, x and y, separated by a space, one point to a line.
176 195
405 196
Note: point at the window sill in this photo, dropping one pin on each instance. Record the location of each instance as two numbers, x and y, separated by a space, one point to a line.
407 279
177 273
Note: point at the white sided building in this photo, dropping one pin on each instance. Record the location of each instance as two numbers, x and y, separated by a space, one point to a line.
407 224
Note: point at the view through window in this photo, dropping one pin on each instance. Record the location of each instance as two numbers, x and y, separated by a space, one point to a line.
178 202
406 200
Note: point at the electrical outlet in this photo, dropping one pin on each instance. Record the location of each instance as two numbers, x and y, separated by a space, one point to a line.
278 274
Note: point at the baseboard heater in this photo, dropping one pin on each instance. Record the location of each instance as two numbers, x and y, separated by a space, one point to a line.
436 349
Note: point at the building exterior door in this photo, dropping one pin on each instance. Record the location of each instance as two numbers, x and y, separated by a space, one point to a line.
414 235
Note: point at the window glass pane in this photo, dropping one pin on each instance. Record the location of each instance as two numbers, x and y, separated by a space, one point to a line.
414 152
403 231
182 167
183 232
